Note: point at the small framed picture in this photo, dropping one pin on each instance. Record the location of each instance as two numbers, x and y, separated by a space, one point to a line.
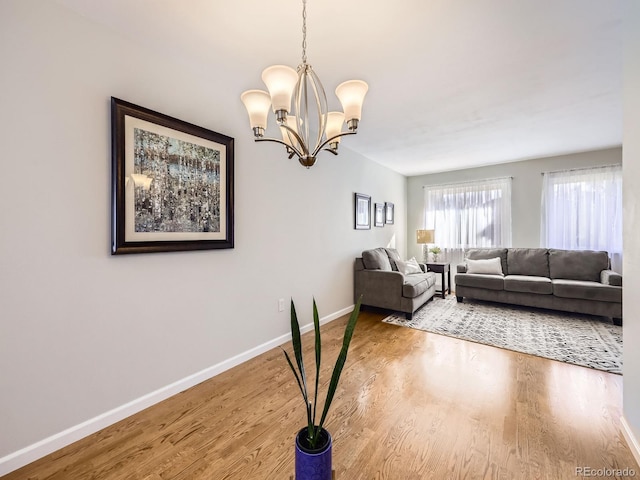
379 217
362 211
389 212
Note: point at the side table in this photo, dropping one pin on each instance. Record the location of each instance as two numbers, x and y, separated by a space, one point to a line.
442 268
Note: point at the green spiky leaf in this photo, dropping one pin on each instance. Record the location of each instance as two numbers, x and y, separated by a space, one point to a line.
318 347
342 358
293 369
297 348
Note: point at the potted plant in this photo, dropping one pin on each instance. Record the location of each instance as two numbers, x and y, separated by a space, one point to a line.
436 251
313 442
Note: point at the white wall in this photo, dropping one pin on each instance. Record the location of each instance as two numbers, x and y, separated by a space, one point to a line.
83 332
525 196
631 199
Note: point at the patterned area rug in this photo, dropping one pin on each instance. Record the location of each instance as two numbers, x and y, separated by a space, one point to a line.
568 337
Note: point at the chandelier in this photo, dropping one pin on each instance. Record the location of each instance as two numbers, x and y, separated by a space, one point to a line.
308 128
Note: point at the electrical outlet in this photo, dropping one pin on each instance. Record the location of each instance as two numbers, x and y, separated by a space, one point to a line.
281 305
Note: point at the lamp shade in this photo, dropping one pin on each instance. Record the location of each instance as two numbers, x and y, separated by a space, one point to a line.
334 125
257 103
287 137
280 81
351 95
425 236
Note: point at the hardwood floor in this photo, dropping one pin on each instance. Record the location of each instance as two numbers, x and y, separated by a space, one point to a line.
411 405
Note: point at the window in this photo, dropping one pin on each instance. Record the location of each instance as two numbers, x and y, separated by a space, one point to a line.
582 210
469 215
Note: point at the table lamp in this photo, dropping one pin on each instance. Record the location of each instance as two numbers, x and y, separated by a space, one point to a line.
425 237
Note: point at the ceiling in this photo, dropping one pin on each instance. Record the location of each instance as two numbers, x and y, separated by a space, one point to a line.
452 83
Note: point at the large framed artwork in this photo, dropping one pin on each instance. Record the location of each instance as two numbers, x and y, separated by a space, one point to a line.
362 211
172 183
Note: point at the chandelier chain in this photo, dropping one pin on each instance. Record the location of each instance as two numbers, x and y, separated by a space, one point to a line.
304 32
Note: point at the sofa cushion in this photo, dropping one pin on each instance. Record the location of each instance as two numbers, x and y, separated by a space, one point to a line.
488 266
586 290
410 267
394 256
528 284
484 253
477 280
417 284
528 261
577 264
376 259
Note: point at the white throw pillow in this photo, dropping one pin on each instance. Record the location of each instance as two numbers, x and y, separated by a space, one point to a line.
409 267
490 266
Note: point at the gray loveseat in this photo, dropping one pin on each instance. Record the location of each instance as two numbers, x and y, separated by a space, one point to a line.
378 280
577 281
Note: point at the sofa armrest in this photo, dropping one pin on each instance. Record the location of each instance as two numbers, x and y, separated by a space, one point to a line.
609 277
461 268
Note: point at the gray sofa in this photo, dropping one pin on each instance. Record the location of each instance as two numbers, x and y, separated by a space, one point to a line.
577 281
378 280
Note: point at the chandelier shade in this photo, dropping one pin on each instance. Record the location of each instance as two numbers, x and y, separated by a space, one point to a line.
351 95
299 102
280 81
335 120
287 136
257 103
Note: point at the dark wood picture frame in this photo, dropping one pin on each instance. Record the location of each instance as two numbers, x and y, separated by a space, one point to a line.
379 215
172 183
362 211
389 215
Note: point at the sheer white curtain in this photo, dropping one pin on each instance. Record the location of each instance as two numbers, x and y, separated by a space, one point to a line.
469 215
582 210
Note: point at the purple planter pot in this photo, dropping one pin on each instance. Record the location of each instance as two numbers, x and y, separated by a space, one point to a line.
313 464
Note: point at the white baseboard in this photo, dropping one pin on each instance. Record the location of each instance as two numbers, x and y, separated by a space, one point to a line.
33 452
634 445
